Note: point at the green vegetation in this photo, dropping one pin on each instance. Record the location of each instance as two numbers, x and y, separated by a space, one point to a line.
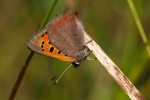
110 23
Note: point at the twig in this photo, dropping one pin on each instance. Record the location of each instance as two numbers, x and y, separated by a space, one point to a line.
114 71
20 77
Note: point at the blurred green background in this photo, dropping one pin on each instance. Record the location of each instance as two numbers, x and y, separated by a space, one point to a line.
109 22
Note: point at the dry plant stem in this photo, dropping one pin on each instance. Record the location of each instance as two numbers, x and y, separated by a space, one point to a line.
113 70
20 77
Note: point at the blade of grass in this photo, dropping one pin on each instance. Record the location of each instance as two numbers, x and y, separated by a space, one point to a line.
139 25
21 74
145 40
48 14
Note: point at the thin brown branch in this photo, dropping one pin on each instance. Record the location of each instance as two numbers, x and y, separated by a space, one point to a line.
20 77
114 71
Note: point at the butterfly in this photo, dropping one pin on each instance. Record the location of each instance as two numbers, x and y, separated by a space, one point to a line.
62 38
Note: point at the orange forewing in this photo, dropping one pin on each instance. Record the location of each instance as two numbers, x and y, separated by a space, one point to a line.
54 54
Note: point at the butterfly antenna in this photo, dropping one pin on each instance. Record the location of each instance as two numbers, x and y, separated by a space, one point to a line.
62 73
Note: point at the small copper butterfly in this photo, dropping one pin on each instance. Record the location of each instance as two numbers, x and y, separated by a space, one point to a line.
62 39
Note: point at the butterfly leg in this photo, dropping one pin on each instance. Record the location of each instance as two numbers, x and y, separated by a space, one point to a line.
90 58
85 45
87 42
87 55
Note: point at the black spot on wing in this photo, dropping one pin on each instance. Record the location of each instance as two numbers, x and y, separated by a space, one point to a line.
59 52
51 49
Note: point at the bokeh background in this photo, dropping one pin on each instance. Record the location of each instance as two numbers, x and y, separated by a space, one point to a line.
109 22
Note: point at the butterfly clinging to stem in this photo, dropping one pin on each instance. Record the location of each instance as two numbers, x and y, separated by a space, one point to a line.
63 39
